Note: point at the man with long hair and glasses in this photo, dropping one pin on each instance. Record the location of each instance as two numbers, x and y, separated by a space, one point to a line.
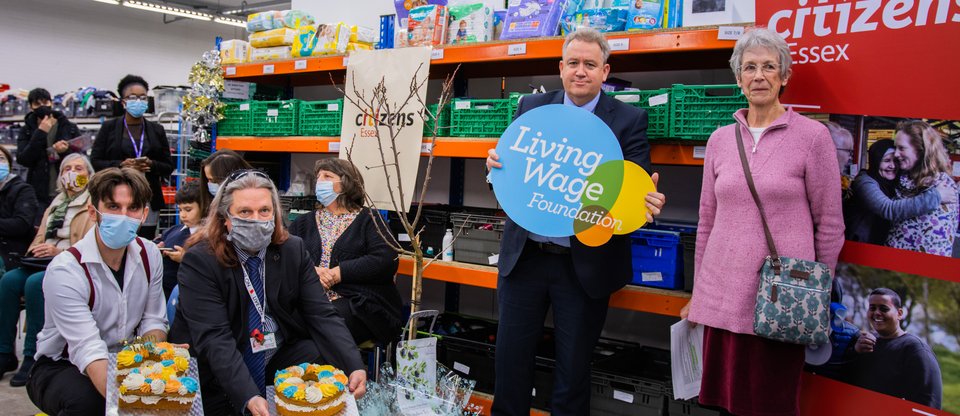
251 303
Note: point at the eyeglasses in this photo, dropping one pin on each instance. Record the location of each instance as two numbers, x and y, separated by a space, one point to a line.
236 175
767 68
135 98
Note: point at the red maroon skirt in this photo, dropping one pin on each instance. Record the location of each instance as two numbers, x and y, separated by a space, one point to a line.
749 375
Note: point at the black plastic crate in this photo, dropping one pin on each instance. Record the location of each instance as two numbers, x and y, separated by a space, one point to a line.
616 396
687 408
434 222
479 236
689 242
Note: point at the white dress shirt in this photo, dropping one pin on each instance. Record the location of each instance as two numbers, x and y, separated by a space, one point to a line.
117 315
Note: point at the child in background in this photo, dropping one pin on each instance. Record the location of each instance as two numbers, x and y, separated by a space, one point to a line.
172 241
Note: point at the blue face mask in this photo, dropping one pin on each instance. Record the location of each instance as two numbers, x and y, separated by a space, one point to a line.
213 188
136 108
4 170
325 193
116 231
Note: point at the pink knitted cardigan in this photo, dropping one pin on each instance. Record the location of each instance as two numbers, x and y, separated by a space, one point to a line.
795 170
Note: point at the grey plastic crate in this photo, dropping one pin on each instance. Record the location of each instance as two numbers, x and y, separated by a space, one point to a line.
479 239
612 395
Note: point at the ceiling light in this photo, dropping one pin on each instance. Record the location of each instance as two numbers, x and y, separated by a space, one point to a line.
231 22
168 10
113 2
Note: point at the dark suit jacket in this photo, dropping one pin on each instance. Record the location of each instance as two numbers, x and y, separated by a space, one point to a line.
367 267
212 316
605 269
173 236
112 146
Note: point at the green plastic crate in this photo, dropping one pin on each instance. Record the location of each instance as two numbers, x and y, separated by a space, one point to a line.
697 110
658 116
480 118
236 119
321 118
443 129
515 102
274 118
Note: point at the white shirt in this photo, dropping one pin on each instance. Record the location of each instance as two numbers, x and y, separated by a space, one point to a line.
116 314
756 132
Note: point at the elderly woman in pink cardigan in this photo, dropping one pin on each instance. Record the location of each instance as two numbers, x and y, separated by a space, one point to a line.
794 165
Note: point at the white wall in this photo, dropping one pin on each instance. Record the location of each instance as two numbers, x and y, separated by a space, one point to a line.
61 45
356 12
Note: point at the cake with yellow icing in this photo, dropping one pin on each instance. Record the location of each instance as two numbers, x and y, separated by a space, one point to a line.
310 390
145 354
157 387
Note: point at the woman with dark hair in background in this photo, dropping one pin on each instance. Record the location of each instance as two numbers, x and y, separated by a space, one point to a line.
214 169
353 262
895 362
18 206
132 141
874 205
924 163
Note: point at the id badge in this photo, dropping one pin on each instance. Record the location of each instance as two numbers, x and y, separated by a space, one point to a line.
269 342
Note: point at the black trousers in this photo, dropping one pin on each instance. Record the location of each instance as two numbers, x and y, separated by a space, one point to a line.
539 281
59 389
216 401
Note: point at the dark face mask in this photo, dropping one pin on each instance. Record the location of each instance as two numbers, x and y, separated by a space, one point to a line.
42 111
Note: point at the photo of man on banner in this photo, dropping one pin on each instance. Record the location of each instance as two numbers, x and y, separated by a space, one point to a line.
558 150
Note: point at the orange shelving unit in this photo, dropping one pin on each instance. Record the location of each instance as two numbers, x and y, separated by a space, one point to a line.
660 41
635 298
660 153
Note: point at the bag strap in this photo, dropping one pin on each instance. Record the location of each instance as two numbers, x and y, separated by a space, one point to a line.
756 198
93 293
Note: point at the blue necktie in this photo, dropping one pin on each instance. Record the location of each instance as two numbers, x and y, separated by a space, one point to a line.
256 362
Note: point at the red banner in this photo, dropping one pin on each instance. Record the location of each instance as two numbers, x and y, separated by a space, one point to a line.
896 58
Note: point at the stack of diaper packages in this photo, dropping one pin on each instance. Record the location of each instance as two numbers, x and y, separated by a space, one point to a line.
403 18
532 18
427 25
234 51
273 33
470 23
605 16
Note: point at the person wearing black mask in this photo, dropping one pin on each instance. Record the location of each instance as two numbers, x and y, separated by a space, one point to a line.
41 144
869 213
132 141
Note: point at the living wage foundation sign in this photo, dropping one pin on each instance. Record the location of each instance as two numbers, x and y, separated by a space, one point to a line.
564 175
879 57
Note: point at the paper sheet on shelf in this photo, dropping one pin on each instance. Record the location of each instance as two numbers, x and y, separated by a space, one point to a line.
686 357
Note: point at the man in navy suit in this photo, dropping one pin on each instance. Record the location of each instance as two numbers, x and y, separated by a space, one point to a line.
537 272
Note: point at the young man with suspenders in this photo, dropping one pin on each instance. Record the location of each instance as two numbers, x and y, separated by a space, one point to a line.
105 289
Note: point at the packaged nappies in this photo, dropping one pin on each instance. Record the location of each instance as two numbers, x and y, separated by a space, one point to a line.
470 23
353 46
427 25
274 19
604 20
645 14
325 39
234 51
270 54
498 17
363 34
404 6
532 18
276 37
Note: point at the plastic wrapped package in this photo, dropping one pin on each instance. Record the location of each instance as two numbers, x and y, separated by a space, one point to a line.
325 39
270 54
532 18
355 46
498 17
648 16
276 37
619 4
427 26
259 22
404 6
294 19
604 20
234 51
363 34
470 23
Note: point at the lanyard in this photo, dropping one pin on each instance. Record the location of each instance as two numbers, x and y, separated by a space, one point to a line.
253 293
143 130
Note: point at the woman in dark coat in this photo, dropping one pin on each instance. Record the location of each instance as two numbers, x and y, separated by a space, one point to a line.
353 262
132 141
18 206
